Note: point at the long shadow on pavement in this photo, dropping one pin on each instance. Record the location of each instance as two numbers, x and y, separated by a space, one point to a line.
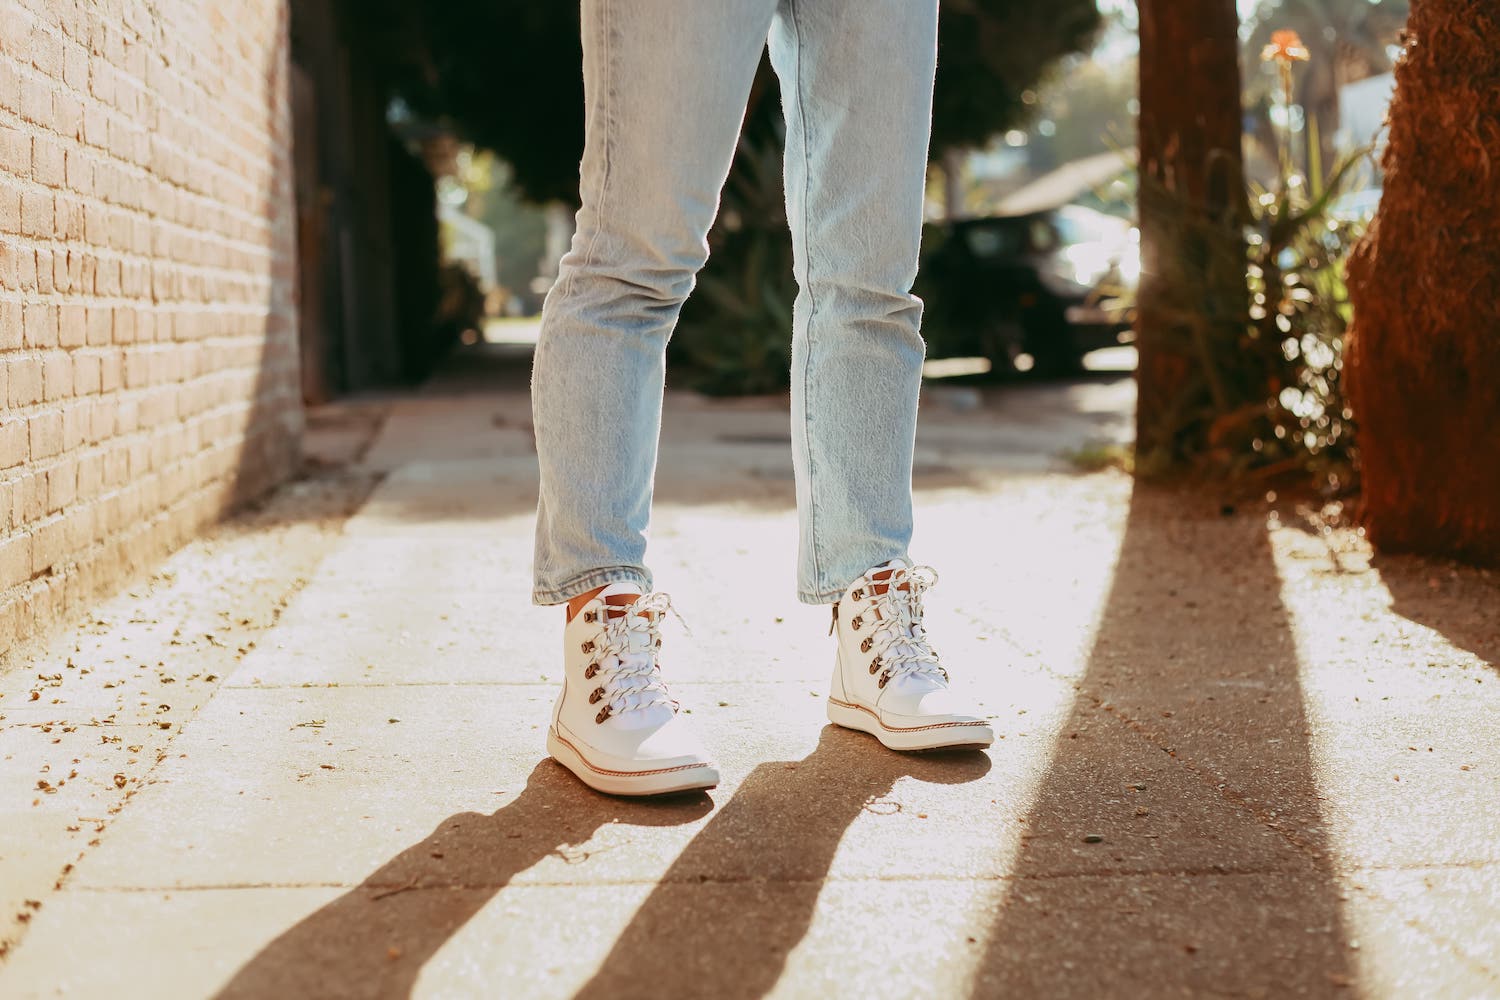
1459 602
374 940
1175 846
725 916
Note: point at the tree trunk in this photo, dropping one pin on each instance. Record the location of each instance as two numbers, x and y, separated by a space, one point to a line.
1424 352
1193 294
952 167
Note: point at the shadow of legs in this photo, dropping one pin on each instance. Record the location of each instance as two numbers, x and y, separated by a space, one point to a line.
373 940
724 917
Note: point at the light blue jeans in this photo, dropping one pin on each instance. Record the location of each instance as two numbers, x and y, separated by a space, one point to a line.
666 83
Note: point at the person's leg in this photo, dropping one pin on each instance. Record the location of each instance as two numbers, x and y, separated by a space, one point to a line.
665 85
857 84
856 79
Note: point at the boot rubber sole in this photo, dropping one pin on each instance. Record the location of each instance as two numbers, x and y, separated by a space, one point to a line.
662 781
965 735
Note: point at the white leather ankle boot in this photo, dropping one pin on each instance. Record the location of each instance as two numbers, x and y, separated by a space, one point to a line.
614 724
887 680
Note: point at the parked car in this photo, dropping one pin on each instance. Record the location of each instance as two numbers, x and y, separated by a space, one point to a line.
1042 286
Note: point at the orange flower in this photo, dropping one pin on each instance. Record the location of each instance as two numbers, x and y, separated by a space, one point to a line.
1286 45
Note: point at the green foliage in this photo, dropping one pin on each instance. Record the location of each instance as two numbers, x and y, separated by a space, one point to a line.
989 53
1272 402
1096 456
504 74
520 228
735 333
1347 39
734 336
1299 313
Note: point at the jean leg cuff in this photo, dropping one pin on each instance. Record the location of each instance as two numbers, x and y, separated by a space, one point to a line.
582 584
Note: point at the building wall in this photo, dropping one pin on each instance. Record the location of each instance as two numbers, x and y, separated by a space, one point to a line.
148 341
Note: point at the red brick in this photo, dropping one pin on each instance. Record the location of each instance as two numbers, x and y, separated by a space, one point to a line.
12 330
81 526
152 383
67 115
14 443
48 161
37 216
72 324
24 374
90 476
80 173
125 325
76 67
10 80
9 257
62 484
102 419
32 497
137 369
76 417
46 435
10 208
15 560
46 51
36 101
40 321
100 325
86 369
47 544
111 367
44 271
57 376
15 152
26 269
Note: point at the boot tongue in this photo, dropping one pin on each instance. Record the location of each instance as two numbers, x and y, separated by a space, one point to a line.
624 588
885 568
905 683
619 588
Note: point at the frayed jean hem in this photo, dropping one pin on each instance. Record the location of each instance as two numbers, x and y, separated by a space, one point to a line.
583 583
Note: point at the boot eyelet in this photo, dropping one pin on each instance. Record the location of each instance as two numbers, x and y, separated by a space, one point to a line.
588 647
858 595
604 713
658 644
883 679
591 616
595 695
856 622
864 647
874 665
591 670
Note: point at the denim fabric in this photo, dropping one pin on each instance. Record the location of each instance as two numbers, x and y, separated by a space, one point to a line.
666 83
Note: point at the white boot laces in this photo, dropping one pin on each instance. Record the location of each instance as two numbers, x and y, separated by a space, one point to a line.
898 639
625 666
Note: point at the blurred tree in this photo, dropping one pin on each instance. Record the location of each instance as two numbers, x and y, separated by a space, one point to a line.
1194 294
520 227
505 73
1091 106
990 53
1424 354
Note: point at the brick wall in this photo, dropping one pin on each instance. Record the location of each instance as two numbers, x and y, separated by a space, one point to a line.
148 372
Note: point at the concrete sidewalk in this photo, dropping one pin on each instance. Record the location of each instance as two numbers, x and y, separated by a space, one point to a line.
1237 756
